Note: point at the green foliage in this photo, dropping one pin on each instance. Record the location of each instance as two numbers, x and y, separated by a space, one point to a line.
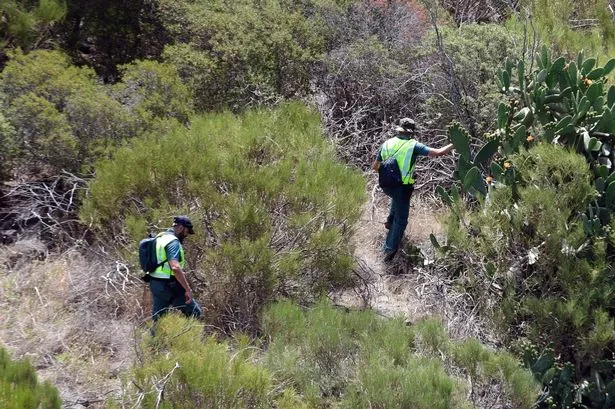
567 103
360 360
573 26
236 54
475 50
179 369
58 111
26 24
251 182
44 133
58 116
20 389
154 90
544 221
8 141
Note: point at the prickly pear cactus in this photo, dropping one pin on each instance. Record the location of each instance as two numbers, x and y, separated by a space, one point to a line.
559 101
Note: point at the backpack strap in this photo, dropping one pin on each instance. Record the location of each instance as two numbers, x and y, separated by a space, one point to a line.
166 259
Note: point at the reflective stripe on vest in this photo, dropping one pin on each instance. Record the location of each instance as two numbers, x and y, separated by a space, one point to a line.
164 271
403 149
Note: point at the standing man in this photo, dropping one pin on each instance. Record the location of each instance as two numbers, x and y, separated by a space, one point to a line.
405 149
168 283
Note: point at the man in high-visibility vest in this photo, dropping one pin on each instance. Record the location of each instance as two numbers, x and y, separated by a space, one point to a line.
168 283
405 149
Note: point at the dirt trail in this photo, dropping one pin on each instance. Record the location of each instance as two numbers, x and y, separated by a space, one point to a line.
397 288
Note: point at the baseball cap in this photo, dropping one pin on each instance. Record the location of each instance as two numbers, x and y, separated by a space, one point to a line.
184 221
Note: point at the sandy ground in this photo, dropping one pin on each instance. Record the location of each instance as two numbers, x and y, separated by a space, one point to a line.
395 288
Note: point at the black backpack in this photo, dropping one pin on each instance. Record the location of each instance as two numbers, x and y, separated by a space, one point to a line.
147 254
389 174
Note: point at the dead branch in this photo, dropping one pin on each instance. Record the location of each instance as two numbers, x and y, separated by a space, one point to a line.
51 204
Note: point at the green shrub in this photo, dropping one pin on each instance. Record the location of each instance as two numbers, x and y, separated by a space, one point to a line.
421 384
180 369
273 206
154 90
20 389
58 116
360 360
8 146
27 24
554 22
239 54
317 357
476 52
554 280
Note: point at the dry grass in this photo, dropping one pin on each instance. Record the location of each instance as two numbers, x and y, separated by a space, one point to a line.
72 317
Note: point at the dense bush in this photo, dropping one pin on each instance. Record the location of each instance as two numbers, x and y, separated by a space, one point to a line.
464 88
20 389
106 34
27 24
178 369
323 357
544 196
371 74
151 90
551 282
236 54
274 208
58 116
573 26
360 360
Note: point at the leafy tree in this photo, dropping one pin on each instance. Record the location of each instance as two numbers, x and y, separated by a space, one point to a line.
107 34
20 389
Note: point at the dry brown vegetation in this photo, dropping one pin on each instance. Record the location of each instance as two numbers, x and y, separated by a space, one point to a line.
72 316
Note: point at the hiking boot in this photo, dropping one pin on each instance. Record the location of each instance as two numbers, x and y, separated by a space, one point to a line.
388 257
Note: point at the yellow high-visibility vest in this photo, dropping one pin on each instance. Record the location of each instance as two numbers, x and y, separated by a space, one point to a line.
403 149
164 271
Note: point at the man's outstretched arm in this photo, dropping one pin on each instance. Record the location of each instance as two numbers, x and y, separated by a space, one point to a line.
433 152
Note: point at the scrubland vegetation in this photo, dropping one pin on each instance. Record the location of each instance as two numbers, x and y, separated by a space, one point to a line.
20 389
257 119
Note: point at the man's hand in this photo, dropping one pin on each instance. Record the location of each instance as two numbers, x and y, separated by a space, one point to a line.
376 165
188 295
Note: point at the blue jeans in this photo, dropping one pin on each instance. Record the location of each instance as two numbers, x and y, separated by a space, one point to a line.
169 294
398 215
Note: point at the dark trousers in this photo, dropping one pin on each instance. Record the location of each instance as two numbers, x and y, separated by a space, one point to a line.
399 211
169 294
